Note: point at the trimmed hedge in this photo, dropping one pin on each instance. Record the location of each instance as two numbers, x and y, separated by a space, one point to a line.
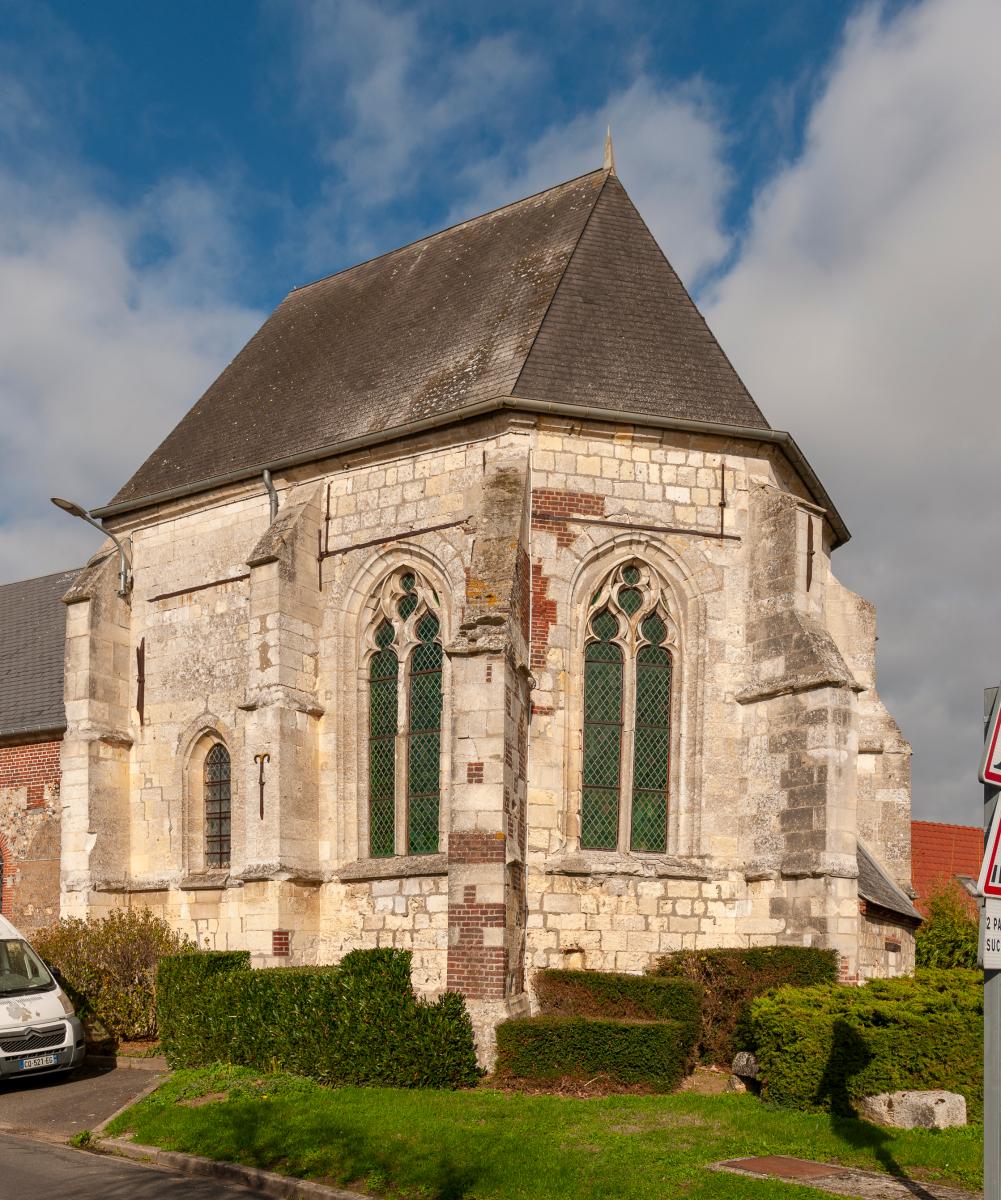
545 1049
824 1048
620 996
357 1022
730 979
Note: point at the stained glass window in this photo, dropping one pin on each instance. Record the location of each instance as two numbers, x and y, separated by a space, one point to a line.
424 750
602 735
217 807
405 741
627 716
383 672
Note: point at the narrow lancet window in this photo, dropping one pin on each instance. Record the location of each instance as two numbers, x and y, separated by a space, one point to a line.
217 807
383 673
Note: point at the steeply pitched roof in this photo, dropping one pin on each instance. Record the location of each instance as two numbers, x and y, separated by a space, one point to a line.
32 644
943 853
876 885
562 297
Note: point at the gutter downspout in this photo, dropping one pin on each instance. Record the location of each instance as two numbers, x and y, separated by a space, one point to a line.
272 495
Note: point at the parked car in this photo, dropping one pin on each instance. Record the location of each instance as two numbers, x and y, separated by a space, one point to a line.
39 1031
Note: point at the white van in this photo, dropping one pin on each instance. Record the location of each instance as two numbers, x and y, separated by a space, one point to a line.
39 1032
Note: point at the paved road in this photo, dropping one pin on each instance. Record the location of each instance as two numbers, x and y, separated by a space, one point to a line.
57 1106
34 1169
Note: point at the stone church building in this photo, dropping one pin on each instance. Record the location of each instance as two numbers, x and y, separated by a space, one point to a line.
476 609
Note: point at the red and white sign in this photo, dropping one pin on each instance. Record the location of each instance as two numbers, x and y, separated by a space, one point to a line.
990 765
989 883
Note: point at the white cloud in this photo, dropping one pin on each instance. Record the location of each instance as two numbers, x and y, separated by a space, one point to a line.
115 320
862 313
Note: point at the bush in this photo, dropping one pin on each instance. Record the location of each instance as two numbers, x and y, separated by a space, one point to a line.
950 934
824 1048
729 979
654 1053
610 994
356 1022
108 966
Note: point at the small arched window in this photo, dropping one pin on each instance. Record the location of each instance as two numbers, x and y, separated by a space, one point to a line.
217 807
627 715
405 706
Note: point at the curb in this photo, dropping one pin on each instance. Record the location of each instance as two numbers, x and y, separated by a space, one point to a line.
267 1183
155 1063
150 1087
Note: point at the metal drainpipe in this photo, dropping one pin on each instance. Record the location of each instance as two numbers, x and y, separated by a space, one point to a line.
272 494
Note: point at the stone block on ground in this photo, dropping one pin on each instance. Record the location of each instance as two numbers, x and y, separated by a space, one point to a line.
745 1065
915 1110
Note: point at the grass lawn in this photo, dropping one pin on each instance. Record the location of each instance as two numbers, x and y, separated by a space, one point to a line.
486 1143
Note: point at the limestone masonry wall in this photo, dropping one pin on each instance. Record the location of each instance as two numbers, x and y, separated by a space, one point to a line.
258 635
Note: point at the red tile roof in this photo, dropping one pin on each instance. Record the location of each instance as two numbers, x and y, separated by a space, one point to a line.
942 852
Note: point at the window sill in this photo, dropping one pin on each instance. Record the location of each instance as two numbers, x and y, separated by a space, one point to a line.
206 881
400 866
646 866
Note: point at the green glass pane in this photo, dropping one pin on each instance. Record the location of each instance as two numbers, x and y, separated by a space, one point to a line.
604 625
427 628
409 581
406 606
630 599
599 819
424 749
603 689
384 635
654 629
602 745
651 750
383 680
631 575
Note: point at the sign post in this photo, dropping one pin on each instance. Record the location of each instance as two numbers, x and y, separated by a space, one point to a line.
990 887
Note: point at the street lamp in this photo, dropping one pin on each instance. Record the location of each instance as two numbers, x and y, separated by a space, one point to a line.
124 578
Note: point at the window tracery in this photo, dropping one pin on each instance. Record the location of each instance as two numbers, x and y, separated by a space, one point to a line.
405 706
628 668
218 798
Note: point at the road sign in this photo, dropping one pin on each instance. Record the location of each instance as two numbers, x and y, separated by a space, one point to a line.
989 883
990 765
992 935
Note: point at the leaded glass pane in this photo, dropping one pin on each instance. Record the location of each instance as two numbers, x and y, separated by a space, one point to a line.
217 807
631 574
651 750
383 681
407 606
654 629
424 750
630 599
602 736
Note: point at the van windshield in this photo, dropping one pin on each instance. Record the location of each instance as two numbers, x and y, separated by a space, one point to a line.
21 970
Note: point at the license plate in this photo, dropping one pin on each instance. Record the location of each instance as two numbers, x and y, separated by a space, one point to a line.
39 1060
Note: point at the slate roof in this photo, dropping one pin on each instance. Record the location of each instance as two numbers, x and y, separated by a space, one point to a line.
561 297
32 644
876 886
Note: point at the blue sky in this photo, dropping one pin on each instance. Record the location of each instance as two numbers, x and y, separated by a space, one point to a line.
825 176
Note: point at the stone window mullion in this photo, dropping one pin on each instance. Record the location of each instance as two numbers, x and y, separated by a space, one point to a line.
628 749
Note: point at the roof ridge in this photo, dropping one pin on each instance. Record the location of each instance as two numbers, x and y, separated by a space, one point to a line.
39 578
430 237
559 282
946 825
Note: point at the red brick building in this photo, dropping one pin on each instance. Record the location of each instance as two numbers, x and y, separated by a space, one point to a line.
32 722
949 854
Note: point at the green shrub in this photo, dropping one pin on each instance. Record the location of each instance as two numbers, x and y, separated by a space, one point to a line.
824 1048
949 936
108 966
178 980
655 1053
611 994
356 1022
729 979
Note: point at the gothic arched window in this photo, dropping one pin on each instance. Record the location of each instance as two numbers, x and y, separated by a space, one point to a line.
627 715
405 705
217 806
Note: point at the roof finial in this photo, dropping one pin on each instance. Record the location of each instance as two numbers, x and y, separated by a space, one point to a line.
609 164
